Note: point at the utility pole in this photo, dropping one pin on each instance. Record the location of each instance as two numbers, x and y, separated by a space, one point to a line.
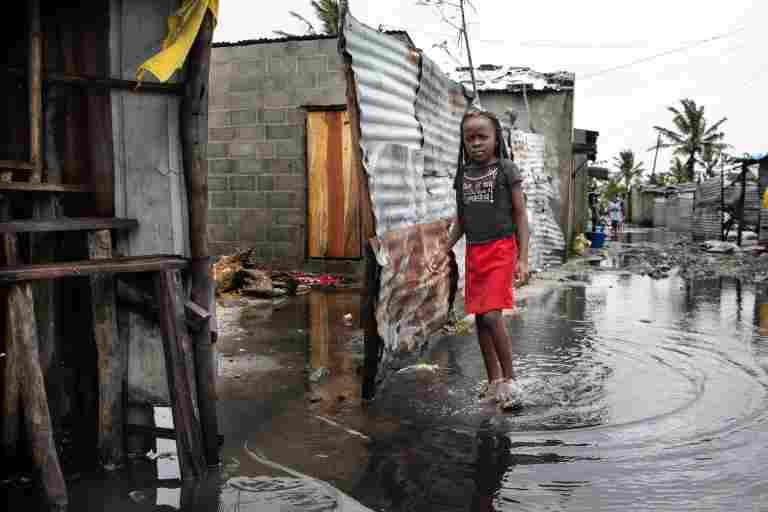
655 156
469 53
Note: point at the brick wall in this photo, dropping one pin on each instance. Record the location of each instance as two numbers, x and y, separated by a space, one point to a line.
257 143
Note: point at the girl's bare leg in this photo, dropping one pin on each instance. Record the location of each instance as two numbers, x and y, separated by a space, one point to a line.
502 344
487 346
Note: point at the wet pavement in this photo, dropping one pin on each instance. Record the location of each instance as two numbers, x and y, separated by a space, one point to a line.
641 394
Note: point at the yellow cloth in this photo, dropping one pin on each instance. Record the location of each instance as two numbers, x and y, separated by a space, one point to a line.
765 199
183 27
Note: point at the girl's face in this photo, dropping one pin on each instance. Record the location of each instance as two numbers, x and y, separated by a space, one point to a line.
480 139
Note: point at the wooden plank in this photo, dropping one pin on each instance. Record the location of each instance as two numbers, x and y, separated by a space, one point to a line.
16 165
104 83
123 265
194 140
110 364
317 141
352 243
11 386
334 167
20 186
42 250
67 224
37 419
175 343
35 92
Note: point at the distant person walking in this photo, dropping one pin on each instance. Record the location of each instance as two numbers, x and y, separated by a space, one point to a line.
492 214
614 214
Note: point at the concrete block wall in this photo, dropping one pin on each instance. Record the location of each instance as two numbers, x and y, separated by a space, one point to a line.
257 142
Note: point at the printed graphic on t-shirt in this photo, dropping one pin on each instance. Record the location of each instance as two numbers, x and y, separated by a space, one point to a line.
480 189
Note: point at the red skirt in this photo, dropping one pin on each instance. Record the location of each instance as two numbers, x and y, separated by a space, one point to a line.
490 270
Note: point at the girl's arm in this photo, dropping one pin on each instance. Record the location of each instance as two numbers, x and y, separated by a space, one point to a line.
456 232
521 219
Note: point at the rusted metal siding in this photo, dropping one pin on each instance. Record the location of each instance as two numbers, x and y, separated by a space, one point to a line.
708 218
409 137
547 241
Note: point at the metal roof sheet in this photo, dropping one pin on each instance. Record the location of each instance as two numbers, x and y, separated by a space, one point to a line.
505 78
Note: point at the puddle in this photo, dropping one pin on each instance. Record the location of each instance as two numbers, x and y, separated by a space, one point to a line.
640 394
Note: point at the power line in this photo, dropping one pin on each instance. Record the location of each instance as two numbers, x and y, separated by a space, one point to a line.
664 53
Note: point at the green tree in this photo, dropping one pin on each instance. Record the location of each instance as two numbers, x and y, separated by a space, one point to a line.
712 158
629 169
327 11
614 188
691 135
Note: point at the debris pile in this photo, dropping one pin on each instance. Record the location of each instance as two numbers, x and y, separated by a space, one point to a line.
240 274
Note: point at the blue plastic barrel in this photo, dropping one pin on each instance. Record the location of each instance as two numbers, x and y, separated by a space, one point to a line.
598 239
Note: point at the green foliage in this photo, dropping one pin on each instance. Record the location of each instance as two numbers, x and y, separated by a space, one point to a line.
629 170
327 11
614 188
691 136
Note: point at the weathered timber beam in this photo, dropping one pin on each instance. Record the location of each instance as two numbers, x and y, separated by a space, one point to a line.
94 82
197 316
108 354
125 265
194 140
35 85
178 354
66 224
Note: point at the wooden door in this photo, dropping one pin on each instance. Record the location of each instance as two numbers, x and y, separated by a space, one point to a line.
334 187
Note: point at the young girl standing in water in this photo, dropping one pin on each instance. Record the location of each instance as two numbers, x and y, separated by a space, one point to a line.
492 215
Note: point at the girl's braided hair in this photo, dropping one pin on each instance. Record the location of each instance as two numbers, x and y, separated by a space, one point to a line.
501 151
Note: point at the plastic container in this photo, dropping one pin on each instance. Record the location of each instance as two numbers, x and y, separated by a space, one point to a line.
598 239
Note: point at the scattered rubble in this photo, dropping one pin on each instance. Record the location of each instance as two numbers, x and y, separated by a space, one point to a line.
240 274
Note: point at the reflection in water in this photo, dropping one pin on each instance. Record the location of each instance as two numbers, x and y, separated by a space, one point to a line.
641 395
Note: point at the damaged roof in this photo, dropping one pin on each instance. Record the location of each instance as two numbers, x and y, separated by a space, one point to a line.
492 77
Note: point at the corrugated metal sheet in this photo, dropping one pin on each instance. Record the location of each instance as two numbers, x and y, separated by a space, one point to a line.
547 242
513 78
763 187
409 125
708 206
659 212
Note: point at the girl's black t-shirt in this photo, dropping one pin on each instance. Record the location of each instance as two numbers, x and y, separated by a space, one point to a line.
484 200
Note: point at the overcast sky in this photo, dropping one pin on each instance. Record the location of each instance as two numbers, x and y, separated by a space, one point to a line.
623 85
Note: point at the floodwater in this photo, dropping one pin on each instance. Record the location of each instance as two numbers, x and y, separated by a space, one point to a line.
641 394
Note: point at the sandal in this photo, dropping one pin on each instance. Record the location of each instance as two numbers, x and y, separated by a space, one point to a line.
487 392
509 395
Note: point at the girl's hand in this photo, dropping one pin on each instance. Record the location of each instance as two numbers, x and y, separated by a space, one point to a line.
522 272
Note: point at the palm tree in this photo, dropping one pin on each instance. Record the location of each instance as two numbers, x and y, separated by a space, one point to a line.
327 11
692 135
711 157
677 171
628 169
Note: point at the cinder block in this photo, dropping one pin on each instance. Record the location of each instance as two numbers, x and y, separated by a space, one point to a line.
287 148
242 183
252 132
217 183
222 54
218 216
266 183
223 248
289 217
252 228
296 116
252 67
222 199
238 100
283 64
335 61
250 200
314 64
217 118
221 233
249 165
221 134
322 96
331 79
248 52
282 234
285 253
282 132
282 200
238 117
244 83
218 149
290 182
272 116
279 97
260 149
249 216
220 166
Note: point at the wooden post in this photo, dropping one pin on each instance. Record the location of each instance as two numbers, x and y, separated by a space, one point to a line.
742 198
37 417
11 387
194 139
108 354
175 344
35 91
